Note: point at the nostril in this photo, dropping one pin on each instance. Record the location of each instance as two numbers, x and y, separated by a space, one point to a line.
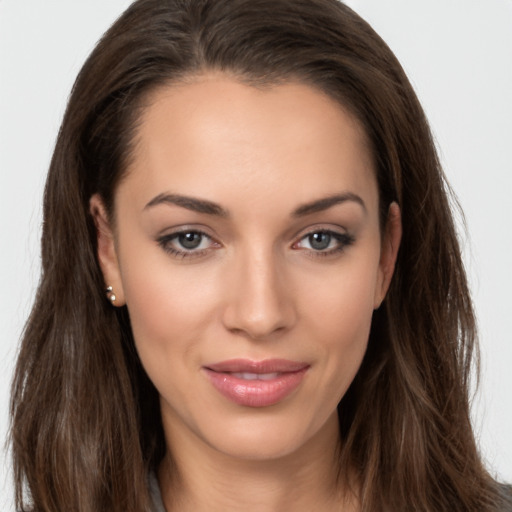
259 323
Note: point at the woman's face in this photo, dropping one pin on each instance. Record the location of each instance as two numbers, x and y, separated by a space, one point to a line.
248 252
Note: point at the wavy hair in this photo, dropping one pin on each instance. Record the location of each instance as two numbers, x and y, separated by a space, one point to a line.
86 426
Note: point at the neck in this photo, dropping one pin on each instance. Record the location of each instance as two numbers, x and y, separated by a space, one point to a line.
200 478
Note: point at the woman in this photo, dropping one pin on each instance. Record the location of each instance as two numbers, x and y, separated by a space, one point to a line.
252 292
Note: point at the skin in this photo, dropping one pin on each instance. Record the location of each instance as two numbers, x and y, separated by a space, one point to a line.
255 288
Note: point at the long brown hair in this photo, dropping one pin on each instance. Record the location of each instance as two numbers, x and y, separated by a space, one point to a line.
86 426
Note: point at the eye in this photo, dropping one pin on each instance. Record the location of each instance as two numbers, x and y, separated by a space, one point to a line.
324 242
187 243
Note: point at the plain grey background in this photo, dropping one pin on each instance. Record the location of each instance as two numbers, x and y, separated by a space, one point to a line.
457 53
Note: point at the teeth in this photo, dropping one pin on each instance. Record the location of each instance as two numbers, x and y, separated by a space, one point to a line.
255 376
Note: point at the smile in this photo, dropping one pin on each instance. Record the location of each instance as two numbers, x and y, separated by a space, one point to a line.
256 383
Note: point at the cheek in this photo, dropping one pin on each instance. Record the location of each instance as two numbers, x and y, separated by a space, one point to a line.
339 315
170 313
170 305
343 302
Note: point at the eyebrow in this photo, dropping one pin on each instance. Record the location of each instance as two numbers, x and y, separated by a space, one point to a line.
328 202
190 203
211 208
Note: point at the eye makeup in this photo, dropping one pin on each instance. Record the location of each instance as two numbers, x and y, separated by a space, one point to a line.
324 242
187 243
194 243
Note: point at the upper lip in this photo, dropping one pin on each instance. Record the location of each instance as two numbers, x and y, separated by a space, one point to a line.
250 366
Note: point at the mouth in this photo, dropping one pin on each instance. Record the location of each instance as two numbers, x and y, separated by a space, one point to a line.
256 383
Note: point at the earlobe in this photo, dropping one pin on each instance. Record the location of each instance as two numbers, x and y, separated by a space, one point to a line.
389 251
107 254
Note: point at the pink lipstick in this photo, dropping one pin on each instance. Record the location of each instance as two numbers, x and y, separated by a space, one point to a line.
256 383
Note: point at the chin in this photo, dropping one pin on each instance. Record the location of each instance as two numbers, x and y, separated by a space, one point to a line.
266 439
257 450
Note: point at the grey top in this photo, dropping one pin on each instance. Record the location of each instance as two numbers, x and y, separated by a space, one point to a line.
154 491
158 506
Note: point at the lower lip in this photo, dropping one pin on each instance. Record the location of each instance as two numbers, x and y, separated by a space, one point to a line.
256 393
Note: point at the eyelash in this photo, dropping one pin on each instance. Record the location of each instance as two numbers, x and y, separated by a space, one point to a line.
166 241
343 240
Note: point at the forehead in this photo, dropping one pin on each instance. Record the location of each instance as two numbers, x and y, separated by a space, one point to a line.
216 135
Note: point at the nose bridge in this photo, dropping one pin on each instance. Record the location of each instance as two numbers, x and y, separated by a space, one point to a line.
260 303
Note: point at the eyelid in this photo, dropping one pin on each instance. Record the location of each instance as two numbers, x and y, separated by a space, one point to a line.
185 228
324 228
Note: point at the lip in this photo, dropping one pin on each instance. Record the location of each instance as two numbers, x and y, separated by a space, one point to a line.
255 392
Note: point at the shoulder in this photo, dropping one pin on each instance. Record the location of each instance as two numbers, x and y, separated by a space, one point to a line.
154 492
506 493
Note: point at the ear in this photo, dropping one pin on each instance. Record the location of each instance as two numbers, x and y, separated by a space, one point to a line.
107 255
389 252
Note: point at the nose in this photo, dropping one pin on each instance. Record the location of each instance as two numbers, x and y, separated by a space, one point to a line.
260 301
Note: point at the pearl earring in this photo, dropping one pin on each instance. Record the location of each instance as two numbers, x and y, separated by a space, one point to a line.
111 296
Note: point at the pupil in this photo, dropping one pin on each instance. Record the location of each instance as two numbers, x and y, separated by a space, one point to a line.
320 241
189 240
